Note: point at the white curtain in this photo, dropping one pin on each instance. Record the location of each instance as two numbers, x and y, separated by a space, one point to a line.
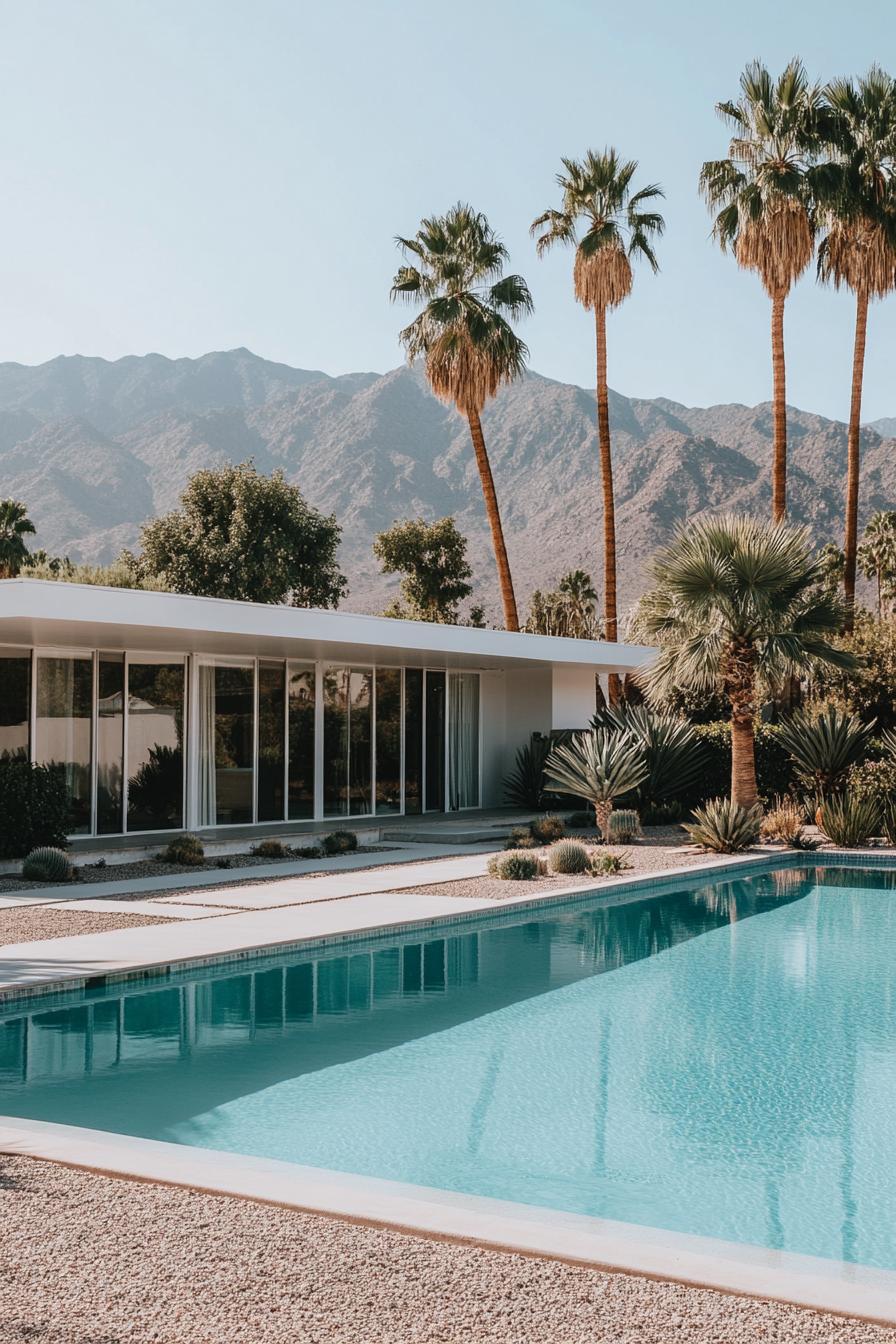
463 740
208 801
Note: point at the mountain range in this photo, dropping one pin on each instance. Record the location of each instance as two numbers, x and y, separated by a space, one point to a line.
96 447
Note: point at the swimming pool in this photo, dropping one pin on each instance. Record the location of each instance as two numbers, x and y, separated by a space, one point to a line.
719 1059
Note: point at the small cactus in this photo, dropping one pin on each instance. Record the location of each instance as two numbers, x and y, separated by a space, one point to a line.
271 849
186 850
625 825
547 828
569 856
48 865
515 865
521 837
339 842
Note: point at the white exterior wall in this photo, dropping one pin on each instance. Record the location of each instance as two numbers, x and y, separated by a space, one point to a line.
573 696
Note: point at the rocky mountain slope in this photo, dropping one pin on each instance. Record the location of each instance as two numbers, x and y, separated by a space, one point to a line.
96 447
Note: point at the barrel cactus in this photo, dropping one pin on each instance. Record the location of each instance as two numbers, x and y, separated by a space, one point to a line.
625 825
48 865
515 865
569 856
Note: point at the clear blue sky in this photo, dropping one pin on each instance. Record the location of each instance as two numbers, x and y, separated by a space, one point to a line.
189 175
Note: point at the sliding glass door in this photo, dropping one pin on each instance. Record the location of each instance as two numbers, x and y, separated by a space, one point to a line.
463 740
348 741
155 736
15 702
226 744
63 729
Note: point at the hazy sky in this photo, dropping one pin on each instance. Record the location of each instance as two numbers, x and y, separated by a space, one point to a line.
191 175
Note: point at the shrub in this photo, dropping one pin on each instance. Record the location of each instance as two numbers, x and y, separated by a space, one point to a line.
521 837
673 751
223 862
662 814
524 786
625 825
608 863
774 767
569 856
783 821
873 779
579 820
48 865
339 842
547 828
307 852
184 849
271 849
515 866
888 820
849 821
34 807
824 746
725 827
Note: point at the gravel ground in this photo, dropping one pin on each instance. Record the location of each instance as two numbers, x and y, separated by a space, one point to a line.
88 1259
28 923
125 872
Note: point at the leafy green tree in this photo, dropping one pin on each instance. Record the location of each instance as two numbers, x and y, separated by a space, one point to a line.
239 534
738 602
15 525
569 610
858 211
432 557
762 195
619 227
454 267
868 689
877 555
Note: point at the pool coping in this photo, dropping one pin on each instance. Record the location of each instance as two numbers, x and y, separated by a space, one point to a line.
650 883
806 1281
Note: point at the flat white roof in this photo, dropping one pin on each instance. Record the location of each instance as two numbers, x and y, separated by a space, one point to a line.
63 615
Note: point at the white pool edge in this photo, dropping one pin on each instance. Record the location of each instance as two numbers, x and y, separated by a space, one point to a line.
699 1262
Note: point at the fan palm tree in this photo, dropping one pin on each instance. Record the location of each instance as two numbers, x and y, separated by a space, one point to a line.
761 195
15 525
738 602
618 226
454 266
877 554
858 250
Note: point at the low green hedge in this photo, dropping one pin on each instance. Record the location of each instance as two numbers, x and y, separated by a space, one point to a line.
34 807
774 768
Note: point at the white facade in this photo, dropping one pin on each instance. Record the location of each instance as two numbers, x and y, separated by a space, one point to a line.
273 714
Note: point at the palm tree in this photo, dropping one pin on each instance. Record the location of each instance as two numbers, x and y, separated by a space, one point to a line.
877 554
618 227
762 198
737 603
858 250
454 266
598 765
14 526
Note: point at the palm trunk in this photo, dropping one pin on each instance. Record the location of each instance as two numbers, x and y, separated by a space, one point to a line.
508 600
740 679
779 412
606 474
602 812
853 444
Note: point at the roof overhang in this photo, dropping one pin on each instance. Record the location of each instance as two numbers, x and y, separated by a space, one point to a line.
67 615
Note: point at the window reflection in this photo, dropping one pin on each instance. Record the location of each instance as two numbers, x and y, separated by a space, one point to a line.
155 745
413 740
301 741
435 741
388 739
15 703
63 728
109 743
271 745
348 694
226 731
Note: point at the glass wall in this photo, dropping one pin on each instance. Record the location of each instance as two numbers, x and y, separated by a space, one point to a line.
348 741
155 744
271 741
110 743
226 744
413 740
388 740
434 734
15 702
63 728
302 682
463 740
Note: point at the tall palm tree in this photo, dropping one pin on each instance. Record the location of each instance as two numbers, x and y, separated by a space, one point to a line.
618 226
761 193
877 554
858 210
15 525
738 602
454 265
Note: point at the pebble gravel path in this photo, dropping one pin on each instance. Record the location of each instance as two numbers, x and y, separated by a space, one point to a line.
30 922
88 1259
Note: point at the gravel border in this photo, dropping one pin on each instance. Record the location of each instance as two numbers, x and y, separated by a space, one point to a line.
91 1259
29 923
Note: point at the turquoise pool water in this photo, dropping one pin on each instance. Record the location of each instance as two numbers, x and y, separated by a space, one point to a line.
720 1060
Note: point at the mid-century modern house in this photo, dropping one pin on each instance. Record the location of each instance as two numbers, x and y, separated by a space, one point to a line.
169 712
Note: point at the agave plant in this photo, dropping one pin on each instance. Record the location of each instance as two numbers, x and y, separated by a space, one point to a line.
724 826
824 746
598 765
674 754
524 786
849 820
